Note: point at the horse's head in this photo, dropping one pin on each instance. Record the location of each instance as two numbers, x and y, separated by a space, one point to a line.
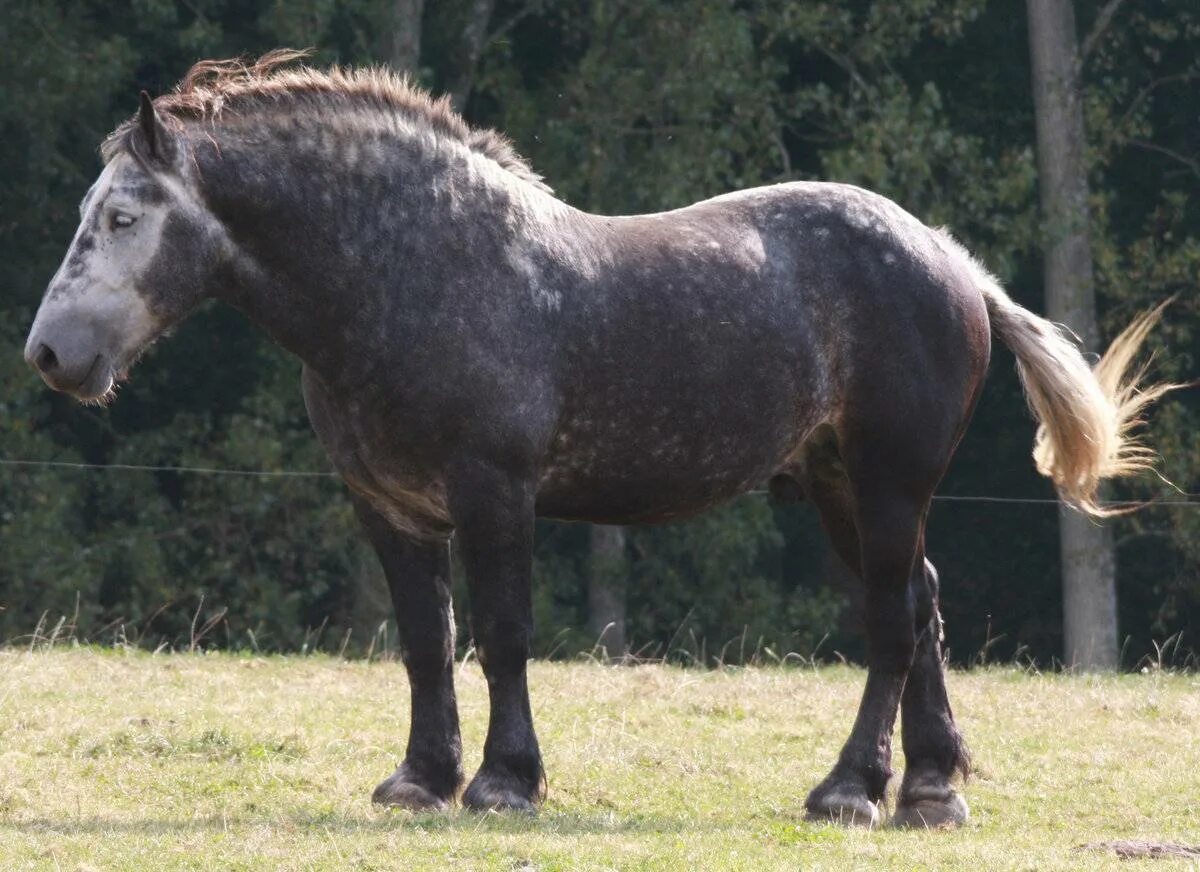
144 255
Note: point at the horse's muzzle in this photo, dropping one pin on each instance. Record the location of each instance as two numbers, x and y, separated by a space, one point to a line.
68 354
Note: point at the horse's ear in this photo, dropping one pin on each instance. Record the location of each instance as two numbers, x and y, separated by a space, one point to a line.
156 141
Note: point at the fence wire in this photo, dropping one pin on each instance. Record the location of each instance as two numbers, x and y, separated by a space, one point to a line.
1189 501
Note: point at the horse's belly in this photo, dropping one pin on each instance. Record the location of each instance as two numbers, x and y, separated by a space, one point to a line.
637 470
604 500
686 420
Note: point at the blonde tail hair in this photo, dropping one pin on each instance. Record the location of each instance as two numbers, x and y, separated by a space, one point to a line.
1086 417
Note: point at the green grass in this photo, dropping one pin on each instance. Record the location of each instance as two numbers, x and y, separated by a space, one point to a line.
122 760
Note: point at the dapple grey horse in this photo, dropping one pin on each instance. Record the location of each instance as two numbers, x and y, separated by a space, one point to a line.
478 353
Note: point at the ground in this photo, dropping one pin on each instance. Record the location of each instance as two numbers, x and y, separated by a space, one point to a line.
115 759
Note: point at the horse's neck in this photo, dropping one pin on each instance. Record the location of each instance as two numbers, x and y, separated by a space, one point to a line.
322 237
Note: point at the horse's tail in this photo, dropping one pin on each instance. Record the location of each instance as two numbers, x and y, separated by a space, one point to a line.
1086 416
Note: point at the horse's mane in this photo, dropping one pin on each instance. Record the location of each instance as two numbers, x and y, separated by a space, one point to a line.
215 86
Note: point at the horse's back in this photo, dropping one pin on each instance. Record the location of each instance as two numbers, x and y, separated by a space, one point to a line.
723 334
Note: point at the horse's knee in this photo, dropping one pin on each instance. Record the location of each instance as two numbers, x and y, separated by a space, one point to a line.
893 651
427 657
503 646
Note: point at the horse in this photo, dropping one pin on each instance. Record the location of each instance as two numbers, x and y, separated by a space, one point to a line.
478 353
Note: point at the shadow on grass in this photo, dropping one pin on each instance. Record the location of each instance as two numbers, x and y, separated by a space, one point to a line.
546 823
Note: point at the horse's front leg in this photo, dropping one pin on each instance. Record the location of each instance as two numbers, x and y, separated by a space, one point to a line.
492 510
418 576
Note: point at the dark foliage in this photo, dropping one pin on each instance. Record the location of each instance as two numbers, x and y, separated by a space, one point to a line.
623 106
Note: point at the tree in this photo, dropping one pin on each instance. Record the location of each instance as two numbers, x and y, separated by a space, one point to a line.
629 105
470 47
606 589
1086 548
405 51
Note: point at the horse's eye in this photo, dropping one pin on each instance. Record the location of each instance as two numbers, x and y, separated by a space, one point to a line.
120 220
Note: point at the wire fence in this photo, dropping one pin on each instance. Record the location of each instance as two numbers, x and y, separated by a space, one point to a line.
197 470
1188 501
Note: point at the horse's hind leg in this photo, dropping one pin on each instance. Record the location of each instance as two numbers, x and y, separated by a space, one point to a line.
846 795
933 748
874 512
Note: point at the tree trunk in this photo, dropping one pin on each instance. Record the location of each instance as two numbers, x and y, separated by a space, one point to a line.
405 54
606 589
1086 548
470 49
370 603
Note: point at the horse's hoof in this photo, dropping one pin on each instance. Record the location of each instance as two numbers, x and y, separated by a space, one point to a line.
402 791
844 808
491 792
931 812
928 801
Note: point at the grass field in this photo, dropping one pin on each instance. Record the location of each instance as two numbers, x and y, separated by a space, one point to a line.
120 760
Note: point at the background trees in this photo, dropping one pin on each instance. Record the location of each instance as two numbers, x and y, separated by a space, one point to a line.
624 106
1086 549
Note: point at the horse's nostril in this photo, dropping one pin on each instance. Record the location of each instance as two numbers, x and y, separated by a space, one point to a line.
45 359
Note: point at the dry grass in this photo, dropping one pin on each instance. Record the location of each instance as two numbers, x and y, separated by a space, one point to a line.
121 760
